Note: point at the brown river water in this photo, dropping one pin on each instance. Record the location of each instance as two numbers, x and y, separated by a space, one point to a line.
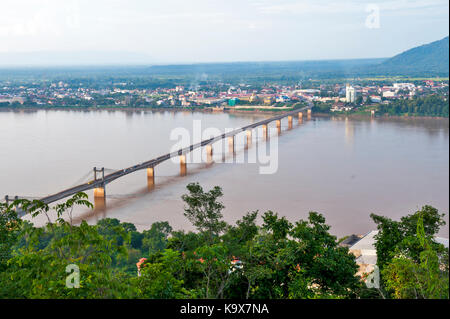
344 168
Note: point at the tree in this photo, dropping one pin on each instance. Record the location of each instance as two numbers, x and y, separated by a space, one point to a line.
401 234
156 238
34 272
9 226
329 267
426 278
397 238
160 278
204 211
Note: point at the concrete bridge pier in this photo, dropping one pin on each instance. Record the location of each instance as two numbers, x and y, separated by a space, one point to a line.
278 126
309 114
99 203
249 138
209 153
300 115
99 198
183 168
265 132
99 192
289 122
231 144
150 178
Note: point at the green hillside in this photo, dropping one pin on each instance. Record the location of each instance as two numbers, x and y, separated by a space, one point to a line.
429 59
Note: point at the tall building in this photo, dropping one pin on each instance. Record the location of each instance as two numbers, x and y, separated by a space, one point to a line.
350 94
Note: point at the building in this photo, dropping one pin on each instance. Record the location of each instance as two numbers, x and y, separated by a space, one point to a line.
350 94
366 256
389 94
340 107
375 98
11 100
232 102
404 86
268 100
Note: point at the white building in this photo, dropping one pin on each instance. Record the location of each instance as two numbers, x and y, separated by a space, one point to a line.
389 94
375 98
350 94
366 257
404 86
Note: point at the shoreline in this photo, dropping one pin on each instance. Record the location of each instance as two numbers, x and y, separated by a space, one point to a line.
211 110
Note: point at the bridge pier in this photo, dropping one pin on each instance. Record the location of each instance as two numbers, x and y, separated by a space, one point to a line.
99 203
209 153
278 122
309 114
150 178
289 122
300 115
231 144
183 169
99 192
249 137
265 133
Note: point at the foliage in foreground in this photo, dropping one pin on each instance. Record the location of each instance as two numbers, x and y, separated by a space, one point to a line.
411 264
277 259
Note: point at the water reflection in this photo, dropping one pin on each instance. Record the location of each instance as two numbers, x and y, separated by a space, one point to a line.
349 131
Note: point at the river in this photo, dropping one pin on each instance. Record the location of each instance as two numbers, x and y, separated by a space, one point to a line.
344 168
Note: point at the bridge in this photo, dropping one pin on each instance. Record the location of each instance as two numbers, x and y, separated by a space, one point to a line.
99 184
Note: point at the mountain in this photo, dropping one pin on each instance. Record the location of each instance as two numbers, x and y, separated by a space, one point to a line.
428 59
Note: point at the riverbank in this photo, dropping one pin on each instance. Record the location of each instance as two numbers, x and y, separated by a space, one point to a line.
251 111
157 109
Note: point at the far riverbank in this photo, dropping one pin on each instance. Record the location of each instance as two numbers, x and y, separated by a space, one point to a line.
249 111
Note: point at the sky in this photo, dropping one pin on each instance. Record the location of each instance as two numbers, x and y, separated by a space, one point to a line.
190 31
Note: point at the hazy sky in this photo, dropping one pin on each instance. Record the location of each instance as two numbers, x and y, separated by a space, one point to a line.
225 30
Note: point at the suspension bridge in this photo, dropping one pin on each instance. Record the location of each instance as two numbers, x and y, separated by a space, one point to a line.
101 179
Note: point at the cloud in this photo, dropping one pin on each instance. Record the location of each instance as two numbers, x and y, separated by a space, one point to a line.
22 18
351 6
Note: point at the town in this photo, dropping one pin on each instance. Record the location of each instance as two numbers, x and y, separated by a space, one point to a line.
327 96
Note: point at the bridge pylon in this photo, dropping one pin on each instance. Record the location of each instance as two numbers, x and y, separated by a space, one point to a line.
99 192
8 199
